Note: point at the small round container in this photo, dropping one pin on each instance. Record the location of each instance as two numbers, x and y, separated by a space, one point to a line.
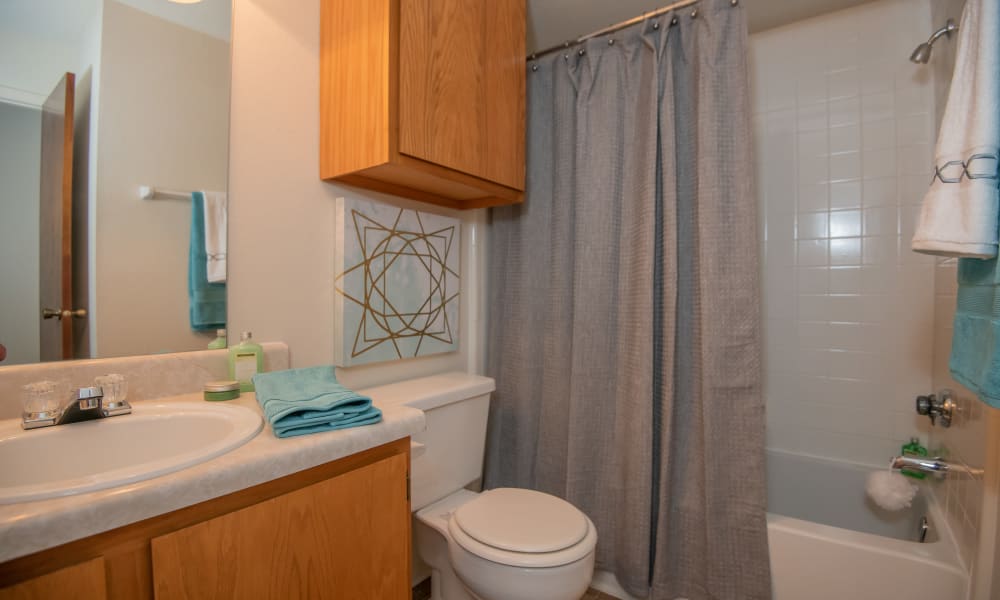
222 390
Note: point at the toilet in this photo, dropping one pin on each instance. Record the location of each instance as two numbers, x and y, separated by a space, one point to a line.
501 544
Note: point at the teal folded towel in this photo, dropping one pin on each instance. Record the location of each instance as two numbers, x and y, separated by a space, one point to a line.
301 401
975 344
207 301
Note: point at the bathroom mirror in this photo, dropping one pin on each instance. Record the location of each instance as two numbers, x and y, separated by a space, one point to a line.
99 99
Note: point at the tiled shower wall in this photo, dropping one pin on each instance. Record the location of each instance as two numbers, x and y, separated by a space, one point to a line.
844 128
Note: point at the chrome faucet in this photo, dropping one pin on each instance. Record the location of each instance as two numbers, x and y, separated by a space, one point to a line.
84 404
920 463
937 465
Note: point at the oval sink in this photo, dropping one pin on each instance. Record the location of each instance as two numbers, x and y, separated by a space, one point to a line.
157 438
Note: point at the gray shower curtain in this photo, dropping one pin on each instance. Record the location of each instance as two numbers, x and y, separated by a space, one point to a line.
624 306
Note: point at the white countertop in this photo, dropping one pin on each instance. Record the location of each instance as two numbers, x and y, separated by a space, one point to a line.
29 527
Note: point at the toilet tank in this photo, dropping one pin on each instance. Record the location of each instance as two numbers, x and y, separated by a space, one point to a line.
448 454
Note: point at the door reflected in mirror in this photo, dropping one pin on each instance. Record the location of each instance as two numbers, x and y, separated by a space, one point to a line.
114 135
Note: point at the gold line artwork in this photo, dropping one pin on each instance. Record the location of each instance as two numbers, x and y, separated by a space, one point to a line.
390 315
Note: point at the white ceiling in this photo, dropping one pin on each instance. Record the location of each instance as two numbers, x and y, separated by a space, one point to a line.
551 22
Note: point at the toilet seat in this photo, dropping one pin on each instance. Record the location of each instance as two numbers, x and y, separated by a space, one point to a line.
523 528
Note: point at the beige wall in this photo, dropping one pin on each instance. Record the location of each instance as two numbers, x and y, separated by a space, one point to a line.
163 121
282 214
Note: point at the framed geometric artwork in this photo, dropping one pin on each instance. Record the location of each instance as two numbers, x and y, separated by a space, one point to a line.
396 282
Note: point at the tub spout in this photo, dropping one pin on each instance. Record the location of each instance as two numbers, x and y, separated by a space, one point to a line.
921 463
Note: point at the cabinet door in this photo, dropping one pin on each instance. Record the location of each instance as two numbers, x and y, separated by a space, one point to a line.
84 581
461 86
345 538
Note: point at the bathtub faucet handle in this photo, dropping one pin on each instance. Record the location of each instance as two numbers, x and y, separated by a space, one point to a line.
938 407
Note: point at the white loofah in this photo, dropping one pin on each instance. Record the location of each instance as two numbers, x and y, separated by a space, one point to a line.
890 490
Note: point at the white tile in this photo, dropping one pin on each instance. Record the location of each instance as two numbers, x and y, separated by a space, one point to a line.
844 223
780 91
845 251
812 280
845 111
812 225
813 197
915 129
814 335
845 166
811 87
814 308
813 169
878 191
844 83
877 75
916 159
812 253
879 220
845 194
878 107
813 143
878 163
846 138
845 308
876 135
914 101
812 117
845 280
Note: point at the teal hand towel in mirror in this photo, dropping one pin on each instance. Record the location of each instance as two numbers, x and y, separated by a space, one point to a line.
303 401
207 300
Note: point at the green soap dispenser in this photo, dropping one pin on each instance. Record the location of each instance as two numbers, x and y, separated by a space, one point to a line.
913 449
246 359
220 340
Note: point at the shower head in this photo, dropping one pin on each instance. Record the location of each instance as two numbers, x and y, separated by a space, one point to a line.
923 52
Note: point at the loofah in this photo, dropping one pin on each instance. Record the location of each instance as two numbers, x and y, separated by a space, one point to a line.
890 490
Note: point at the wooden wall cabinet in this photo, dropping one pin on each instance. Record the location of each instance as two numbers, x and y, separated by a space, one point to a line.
337 531
424 99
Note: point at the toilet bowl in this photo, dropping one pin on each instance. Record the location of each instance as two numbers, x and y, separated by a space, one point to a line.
502 544
506 544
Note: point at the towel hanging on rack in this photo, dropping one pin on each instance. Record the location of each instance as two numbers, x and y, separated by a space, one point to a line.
959 214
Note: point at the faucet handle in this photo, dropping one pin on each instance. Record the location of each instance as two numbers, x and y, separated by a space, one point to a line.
115 390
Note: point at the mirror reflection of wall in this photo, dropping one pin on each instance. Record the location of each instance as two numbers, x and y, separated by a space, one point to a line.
151 108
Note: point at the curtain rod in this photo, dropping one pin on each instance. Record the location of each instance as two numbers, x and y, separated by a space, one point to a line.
617 26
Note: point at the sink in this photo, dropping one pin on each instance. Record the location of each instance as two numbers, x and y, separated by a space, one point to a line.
157 438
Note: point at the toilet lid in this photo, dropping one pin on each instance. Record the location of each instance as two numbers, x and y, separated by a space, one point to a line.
521 520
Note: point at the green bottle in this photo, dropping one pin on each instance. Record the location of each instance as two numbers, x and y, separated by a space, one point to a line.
913 449
220 340
246 360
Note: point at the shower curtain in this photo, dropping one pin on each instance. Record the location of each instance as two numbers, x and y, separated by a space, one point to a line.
624 306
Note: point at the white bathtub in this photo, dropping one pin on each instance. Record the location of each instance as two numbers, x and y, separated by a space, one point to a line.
829 542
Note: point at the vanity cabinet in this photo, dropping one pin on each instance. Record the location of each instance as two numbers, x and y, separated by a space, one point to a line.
340 530
424 98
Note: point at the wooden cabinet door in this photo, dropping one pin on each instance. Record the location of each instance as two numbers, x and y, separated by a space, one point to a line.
84 581
344 538
461 86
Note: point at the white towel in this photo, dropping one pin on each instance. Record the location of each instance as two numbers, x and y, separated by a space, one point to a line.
215 235
959 215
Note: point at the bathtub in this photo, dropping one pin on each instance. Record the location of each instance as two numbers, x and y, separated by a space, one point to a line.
829 542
